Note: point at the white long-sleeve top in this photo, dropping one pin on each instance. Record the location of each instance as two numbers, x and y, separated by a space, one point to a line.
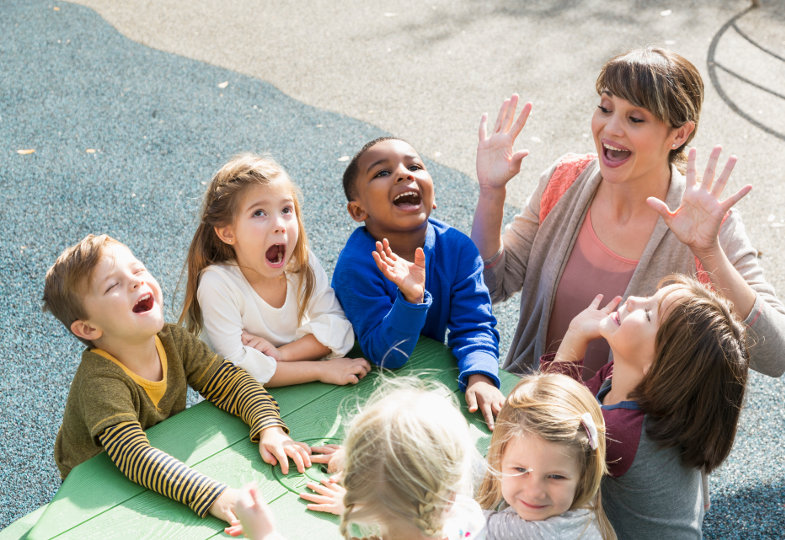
230 305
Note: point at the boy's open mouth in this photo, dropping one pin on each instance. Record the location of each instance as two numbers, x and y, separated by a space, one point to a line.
144 304
275 253
615 154
407 199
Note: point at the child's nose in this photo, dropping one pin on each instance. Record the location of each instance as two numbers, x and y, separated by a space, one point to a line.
403 174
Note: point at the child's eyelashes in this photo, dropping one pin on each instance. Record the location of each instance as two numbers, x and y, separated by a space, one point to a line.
110 287
648 315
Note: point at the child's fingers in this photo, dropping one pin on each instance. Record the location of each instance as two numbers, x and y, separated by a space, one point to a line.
267 456
487 413
595 303
234 530
612 305
471 401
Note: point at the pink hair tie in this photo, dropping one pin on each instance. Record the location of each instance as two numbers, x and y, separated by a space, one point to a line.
591 429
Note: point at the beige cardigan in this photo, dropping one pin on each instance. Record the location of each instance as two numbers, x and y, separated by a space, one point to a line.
533 257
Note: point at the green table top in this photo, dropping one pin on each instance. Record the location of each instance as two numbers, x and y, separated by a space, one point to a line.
97 501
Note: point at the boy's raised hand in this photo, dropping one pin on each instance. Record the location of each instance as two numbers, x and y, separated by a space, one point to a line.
408 276
482 394
497 163
275 447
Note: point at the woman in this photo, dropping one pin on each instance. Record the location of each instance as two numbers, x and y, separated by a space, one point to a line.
593 223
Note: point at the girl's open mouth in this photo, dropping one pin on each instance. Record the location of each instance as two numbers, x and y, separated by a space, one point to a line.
275 254
144 304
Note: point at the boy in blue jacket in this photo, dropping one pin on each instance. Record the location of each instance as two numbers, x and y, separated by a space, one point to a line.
405 274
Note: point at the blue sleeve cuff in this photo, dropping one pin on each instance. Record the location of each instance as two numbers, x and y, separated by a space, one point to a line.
478 363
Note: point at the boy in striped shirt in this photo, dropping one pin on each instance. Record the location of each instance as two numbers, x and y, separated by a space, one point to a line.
134 374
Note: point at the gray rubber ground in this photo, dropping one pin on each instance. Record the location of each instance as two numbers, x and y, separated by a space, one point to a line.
127 131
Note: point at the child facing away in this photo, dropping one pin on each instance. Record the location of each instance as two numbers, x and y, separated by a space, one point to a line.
545 464
671 399
255 288
407 475
134 374
404 274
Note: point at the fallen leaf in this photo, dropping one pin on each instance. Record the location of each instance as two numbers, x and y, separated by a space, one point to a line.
344 158
25 151
223 84
56 8
91 150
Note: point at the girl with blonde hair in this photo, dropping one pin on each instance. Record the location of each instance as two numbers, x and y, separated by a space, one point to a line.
256 291
408 461
545 463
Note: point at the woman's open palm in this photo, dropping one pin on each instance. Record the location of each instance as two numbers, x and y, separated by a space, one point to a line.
697 220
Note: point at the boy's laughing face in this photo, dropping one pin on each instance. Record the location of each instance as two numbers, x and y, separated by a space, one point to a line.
394 191
123 300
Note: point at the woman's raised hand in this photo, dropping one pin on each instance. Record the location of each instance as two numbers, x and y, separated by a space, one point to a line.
697 220
497 163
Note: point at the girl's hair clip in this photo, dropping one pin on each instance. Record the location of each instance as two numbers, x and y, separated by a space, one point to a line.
591 429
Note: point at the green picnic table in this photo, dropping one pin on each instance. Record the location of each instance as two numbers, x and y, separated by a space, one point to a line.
97 501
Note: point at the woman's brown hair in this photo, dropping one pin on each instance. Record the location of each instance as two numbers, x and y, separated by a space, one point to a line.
694 389
660 81
219 208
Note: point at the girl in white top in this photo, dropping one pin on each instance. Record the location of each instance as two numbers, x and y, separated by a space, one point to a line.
545 463
255 291
406 476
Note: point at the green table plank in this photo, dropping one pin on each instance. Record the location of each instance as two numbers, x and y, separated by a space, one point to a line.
97 500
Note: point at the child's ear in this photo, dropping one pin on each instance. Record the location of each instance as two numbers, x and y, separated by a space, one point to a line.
434 204
225 233
85 330
356 210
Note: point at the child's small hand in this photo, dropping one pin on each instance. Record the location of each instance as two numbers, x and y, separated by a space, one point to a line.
483 395
261 345
408 276
586 324
223 505
584 327
254 518
275 447
332 454
343 371
496 161
328 496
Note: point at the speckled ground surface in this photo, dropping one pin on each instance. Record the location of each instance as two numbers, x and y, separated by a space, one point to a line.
127 130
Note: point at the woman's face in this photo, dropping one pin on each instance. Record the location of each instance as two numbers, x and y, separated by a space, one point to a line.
632 144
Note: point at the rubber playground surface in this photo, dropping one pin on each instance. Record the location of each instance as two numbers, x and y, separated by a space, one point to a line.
114 116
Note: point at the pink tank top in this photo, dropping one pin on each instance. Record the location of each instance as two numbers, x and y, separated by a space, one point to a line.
591 269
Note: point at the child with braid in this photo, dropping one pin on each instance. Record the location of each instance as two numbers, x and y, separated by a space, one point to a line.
407 472
134 374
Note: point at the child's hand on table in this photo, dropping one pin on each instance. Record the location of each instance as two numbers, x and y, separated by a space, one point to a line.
343 371
327 496
254 518
222 507
275 447
482 394
331 454
408 276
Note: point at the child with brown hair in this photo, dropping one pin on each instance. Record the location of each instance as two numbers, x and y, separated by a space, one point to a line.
671 398
256 289
134 375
